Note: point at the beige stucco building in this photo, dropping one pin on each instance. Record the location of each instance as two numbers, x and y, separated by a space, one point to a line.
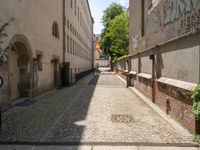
164 49
45 33
79 35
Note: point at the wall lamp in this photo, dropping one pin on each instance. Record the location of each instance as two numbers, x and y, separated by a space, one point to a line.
152 56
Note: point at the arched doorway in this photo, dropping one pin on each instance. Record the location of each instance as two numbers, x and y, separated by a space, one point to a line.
20 64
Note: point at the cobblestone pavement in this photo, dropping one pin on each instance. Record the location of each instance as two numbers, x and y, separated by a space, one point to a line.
31 123
106 111
19 147
98 110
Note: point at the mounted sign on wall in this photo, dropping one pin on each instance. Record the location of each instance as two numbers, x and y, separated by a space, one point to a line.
1 81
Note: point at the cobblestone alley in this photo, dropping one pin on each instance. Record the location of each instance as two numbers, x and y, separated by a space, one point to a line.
98 109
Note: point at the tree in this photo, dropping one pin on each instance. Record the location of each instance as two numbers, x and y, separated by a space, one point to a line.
118 33
114 36
3 35
111 12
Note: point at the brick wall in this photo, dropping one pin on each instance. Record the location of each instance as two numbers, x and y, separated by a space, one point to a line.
144 86
176 104
174 101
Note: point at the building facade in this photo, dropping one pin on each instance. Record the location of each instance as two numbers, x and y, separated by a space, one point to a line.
79 49
164 61
43 35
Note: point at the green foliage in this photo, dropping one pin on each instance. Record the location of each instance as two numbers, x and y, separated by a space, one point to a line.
97 65
121 58
66 64
3 29
196 138
118 28
114 37
3 34
111 12
196 101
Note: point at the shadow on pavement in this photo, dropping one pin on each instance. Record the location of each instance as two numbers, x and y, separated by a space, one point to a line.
66 131
70 129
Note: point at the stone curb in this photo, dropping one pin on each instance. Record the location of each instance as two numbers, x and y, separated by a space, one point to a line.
26 147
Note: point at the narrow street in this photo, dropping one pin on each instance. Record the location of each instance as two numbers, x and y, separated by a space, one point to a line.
100 75
98 110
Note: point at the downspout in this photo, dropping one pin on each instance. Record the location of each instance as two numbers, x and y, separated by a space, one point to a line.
64 35
93 46
152 57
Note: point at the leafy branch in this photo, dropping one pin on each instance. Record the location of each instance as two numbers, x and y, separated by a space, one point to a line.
3 35
196 102
114 36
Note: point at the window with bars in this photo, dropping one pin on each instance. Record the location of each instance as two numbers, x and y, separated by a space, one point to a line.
68 43
55 30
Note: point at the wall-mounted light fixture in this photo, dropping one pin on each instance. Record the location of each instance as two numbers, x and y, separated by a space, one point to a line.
152 56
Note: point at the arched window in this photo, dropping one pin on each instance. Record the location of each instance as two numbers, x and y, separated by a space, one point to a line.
55 30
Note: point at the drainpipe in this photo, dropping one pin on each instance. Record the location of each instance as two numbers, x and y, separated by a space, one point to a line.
93 46
64 35
128 62
152 57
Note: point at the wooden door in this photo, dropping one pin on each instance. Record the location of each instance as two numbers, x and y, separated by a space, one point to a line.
14 74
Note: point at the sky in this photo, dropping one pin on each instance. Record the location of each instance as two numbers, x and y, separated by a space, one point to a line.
97 8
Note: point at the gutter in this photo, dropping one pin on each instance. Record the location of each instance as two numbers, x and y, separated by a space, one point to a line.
90 11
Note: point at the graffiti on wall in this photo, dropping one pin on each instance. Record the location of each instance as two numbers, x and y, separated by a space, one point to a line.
135 41
190 23
155 22
175 9
186 12
169 19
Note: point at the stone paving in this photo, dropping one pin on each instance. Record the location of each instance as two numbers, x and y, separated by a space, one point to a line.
31 123
19 147
89 119
101 110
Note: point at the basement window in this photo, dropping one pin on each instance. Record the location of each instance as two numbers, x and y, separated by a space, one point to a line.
55 30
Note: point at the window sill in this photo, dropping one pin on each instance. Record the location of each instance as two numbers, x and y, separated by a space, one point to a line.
146 76
132 73
177 83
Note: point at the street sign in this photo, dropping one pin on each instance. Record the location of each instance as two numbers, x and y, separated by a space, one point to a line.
1 81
